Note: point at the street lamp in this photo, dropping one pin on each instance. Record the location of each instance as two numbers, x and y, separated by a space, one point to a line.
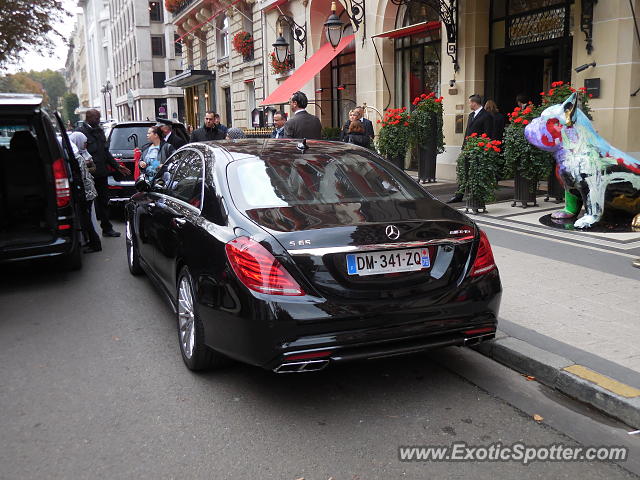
334 27
281 47
106 90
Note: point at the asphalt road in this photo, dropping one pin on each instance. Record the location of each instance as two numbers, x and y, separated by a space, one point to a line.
93 386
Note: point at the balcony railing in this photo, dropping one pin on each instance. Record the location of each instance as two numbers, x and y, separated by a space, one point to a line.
181 7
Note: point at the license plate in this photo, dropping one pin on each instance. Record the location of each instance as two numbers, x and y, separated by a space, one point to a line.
391 261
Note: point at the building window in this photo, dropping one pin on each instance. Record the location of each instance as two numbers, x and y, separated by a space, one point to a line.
250 93
158 79
417 55
157 46
155 12
223 37
178 45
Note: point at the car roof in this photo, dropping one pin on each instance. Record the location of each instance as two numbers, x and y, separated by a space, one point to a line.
134 124
26 99
268 147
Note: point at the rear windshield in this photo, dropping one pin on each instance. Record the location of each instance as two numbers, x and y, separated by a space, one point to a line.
122 139
317 179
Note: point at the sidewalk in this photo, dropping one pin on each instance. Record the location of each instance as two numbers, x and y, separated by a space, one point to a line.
574 328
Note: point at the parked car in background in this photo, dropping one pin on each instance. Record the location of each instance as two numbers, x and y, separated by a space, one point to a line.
292 257
122 139
40 185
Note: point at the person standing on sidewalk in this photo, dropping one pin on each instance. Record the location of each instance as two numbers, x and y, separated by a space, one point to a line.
302 124
97 148
210 131
279 122
480 121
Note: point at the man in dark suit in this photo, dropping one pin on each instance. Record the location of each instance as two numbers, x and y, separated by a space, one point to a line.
480 121
210 131
279 122
302 124
168 135
366 123
99 150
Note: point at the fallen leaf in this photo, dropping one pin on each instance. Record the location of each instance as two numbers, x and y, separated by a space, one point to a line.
529 377
538 418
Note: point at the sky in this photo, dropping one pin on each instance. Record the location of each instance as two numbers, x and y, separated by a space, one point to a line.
34 61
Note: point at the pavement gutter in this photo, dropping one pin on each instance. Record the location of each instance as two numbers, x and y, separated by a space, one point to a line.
604 393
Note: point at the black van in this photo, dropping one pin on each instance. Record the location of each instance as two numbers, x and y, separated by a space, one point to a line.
40 185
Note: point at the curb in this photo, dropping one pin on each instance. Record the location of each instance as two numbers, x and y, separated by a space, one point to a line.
618 400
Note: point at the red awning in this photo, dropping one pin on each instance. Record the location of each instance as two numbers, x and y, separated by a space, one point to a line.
410 30
306 72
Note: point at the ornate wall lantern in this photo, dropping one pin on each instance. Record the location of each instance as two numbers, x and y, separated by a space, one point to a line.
334 27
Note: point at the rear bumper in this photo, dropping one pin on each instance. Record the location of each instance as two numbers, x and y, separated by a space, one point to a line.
57 247
275 334
120 191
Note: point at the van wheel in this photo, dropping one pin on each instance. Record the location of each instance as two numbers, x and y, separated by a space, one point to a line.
73 260
196 355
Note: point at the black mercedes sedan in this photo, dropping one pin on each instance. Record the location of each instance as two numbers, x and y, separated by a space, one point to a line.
291 256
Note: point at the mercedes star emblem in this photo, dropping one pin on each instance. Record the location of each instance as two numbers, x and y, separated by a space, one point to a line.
392 232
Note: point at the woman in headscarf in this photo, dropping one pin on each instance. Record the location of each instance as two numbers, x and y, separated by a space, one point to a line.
85 162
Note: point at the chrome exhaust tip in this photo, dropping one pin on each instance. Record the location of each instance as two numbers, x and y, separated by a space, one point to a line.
299 367
468 342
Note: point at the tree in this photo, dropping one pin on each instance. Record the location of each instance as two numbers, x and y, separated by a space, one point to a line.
26 25
70 102
53 83
22 82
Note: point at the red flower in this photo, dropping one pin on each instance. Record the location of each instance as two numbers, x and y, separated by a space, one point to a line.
406 124
517 109
590 95
518 120
542 94
551 91
526 122
484 135
481 144
377 121
474 134
438 100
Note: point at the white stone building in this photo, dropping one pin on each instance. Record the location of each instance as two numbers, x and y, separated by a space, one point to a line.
144 56
98 52
76 73
215 75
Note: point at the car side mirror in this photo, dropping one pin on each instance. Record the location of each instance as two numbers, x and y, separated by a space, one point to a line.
142 185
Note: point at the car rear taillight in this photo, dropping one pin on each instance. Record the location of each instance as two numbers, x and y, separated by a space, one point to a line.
63 192
484 258
259 270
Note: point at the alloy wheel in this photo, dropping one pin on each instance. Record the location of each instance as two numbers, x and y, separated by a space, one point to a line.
186 317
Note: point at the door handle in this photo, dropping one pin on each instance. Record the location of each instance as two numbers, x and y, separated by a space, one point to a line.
179 222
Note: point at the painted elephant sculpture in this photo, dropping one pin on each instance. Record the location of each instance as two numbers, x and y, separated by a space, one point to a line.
602 175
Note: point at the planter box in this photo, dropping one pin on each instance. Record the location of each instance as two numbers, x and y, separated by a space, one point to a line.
398 162
427 163
475 204
555 188
525 192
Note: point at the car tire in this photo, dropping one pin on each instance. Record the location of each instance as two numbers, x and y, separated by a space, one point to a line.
196 355
73 260
133 257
